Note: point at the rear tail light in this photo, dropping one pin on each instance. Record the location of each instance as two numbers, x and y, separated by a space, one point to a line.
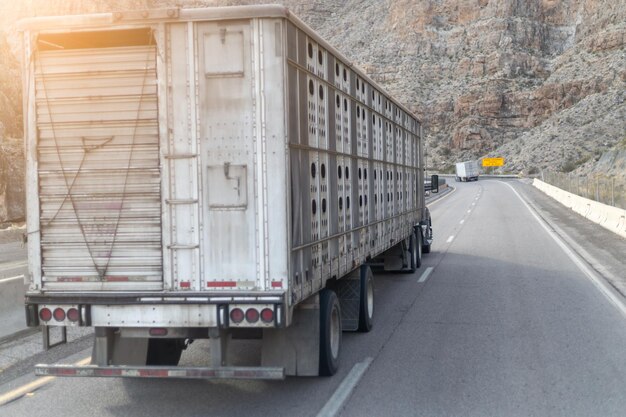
252 315
73 314
158 331
45 314
236 315
267 315
59 314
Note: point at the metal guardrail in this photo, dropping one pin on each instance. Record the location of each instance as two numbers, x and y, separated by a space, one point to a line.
609 190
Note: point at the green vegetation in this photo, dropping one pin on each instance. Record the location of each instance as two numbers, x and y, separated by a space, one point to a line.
570 164
609 190
445 151
449 169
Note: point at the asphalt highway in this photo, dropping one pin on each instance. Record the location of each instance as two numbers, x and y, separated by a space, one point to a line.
502 319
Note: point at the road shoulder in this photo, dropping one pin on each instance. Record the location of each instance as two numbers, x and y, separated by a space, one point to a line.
601 249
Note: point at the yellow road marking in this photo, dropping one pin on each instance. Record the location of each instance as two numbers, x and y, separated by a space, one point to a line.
32 386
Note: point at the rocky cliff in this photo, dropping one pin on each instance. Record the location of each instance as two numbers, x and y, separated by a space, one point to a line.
540 82
490 77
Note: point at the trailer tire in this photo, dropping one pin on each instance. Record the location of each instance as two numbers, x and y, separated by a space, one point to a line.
330 332
165 352
415 251
418 245
426 246
366 300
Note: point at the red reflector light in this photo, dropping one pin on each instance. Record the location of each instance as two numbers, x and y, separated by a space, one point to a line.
67 372
236 315
70 279
73 315
59 314
108 372
185 284
267 315
115 279
154 373
158 331
221 284
45 314
252 315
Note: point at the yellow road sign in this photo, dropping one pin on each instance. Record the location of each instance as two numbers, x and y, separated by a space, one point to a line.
493 162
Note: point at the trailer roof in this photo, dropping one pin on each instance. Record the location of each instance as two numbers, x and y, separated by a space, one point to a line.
132 18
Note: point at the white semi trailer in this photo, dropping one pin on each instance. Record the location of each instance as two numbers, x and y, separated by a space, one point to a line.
216 173
467 171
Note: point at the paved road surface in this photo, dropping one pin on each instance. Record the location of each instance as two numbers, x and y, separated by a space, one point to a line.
505 324
12 264
12 259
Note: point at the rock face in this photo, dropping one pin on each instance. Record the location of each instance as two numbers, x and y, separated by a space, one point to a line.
495 70
11 179
487 77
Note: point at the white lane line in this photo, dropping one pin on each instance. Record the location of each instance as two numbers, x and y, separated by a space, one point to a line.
425 275
462 221
473 204
2 281
341 395
595 279
469 211
450 239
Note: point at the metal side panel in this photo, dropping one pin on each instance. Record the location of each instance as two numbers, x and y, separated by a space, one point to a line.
181 162
231 156
273 50
98 171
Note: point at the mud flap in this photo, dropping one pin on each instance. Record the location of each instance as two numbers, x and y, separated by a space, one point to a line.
295 348
111 349
348 292
396 258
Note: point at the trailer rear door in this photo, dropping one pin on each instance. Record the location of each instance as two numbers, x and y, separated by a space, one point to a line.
98 160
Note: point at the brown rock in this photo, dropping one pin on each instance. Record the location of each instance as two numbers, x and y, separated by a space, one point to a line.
12 195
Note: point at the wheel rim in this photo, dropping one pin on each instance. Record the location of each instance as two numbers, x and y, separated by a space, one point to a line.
370 299
335 332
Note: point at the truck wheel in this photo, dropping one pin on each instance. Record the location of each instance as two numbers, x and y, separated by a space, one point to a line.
426 246
330 332
418 246
415 252
366 300
164 352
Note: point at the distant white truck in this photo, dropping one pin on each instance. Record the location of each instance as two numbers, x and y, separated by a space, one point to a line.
467 171
218 173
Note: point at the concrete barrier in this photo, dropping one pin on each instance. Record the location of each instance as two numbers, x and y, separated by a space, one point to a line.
485 176
609 217
12 319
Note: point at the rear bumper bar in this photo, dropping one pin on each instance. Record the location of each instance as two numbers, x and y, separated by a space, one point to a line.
130 298
155 310
236 372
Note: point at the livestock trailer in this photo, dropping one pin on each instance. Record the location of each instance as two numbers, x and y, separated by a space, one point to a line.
210 173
